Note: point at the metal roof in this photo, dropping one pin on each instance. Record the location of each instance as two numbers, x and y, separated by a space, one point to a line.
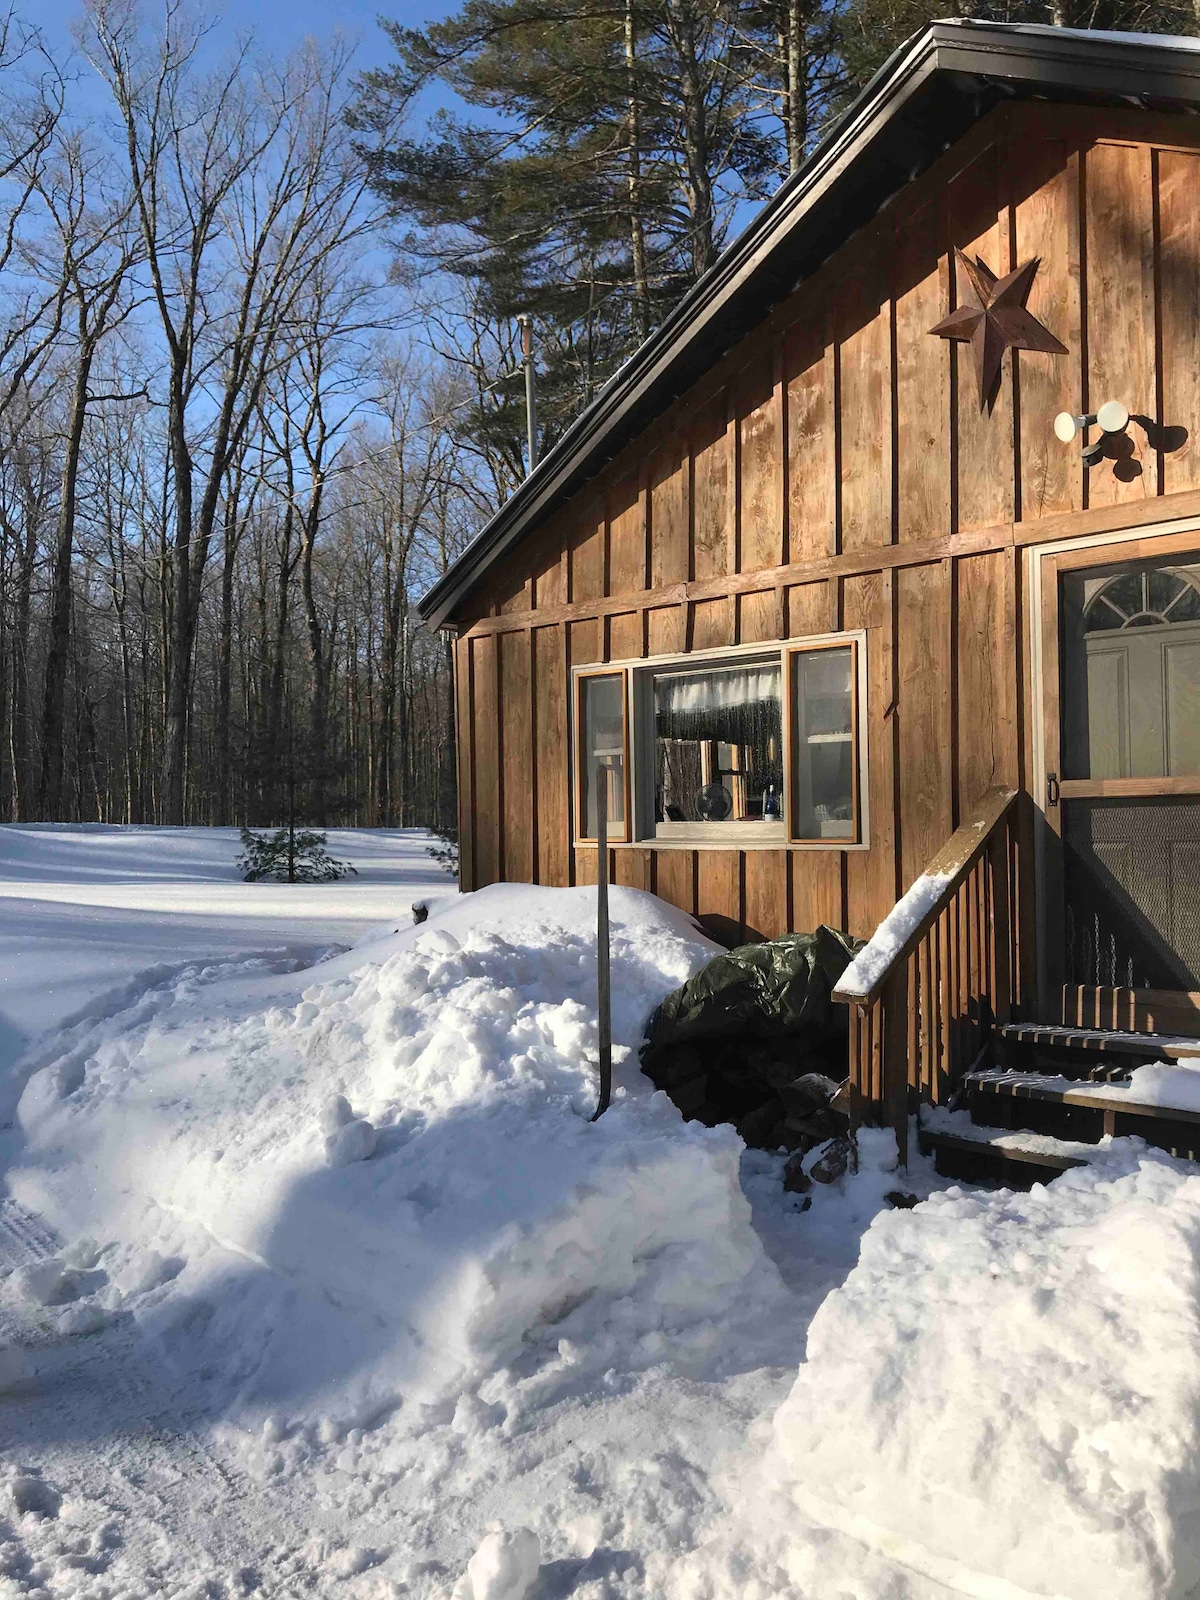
924 98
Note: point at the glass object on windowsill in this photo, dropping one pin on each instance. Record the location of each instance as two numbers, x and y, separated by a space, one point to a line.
714 803
772 807
718 743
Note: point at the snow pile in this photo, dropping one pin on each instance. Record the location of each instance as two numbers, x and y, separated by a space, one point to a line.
503 1568
1009 1385
1175 1084
417 1326
375 1184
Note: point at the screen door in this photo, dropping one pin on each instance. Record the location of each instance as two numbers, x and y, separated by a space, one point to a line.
1123 784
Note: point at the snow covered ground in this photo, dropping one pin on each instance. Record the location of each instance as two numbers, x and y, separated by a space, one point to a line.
86 910
235 1359
86 906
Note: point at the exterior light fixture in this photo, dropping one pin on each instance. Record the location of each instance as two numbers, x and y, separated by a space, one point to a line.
1112 417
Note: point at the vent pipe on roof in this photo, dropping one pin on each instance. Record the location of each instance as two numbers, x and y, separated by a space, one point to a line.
525 322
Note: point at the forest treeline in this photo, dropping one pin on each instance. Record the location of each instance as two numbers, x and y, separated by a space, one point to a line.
259 365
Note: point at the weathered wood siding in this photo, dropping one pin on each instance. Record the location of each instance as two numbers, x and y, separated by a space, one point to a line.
834 471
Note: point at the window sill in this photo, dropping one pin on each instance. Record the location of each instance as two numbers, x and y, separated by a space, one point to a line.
709 842
725 835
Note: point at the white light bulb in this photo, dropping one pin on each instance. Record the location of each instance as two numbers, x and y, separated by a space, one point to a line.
1064 426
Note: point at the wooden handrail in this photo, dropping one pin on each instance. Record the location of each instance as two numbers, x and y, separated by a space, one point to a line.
911 918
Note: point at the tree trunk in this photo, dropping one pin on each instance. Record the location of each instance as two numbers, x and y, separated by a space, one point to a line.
58 646
797 85
696 153
318 711
182 619
224 673
24 787
641 278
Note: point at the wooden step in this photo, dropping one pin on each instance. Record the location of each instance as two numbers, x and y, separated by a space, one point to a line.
1153 1046
1114 1097
1017 1160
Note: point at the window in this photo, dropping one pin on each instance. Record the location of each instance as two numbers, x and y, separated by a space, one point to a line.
718 745
824 765
602 734
1130 665
745 747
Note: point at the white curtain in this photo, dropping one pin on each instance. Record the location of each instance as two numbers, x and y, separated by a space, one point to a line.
724 689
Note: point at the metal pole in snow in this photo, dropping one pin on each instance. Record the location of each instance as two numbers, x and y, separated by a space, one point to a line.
526 325
603 976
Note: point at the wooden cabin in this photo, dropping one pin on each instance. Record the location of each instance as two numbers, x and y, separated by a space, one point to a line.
822 595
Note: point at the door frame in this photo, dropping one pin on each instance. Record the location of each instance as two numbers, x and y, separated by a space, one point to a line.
1043 563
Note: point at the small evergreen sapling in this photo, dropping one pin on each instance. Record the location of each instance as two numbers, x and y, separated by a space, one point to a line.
291 855
444 849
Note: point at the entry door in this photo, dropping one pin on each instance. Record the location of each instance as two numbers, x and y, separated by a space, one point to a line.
1121 651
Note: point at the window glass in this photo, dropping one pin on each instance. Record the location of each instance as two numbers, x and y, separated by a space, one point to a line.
718 745
602 743
1130 666
824 756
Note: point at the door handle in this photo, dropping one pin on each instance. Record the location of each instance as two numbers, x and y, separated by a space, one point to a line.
1052 789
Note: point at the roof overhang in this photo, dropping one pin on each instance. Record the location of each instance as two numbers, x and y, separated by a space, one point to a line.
917 105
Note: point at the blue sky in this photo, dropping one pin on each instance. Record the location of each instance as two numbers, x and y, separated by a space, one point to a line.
279 24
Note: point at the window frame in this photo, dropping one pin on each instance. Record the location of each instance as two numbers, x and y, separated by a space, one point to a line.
858 734
580 676
640 830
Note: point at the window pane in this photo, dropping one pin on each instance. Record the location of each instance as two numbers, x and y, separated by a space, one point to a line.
603 746
718 745
1130 662
824 744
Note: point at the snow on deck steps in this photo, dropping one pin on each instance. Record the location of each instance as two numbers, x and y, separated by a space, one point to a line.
1163 1045
1168 1090
954 1130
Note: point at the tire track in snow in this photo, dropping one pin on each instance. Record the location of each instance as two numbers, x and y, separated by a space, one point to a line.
24 1237
103 1425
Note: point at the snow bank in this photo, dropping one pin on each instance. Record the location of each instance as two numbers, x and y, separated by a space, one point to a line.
1167 1083
1007 1387
489 1212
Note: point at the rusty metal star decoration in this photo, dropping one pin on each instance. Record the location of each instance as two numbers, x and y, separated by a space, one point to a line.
998 321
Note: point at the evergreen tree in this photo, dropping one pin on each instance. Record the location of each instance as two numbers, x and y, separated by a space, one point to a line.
289 855
614 144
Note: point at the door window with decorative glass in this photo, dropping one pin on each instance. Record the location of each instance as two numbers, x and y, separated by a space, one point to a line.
1131 671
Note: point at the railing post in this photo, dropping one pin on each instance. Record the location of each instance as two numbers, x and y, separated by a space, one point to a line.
895 1056
1002 931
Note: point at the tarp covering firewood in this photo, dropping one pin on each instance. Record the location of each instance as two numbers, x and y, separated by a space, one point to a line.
755 1039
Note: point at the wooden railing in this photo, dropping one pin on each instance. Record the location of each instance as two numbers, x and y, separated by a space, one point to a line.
939 970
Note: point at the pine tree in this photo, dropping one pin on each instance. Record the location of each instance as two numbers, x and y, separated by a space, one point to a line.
615 141
289 855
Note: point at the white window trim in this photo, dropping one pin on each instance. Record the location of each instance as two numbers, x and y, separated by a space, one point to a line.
643 834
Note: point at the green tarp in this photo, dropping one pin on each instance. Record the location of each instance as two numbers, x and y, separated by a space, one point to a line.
729 1045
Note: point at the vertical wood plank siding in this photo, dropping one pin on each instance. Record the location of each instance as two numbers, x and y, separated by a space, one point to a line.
836 428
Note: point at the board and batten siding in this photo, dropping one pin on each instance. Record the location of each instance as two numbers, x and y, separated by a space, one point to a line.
834 471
